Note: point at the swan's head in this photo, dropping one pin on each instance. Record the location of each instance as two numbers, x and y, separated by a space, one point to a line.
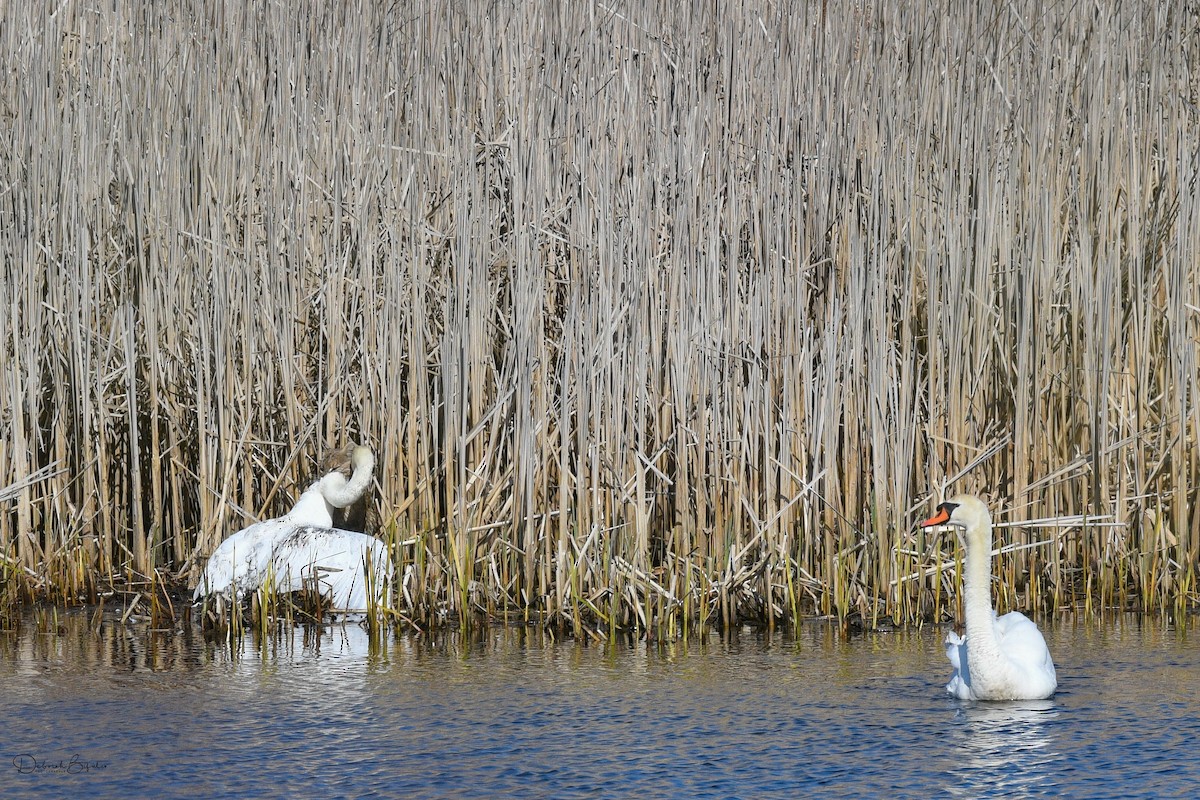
345 459
362 458
339 491
965 512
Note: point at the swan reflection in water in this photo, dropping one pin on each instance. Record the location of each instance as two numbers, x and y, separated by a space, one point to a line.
1005 749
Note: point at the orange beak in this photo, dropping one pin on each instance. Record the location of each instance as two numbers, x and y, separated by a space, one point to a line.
940 518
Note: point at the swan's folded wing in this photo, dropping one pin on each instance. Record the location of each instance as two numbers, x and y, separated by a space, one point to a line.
960 681
1020 639
1023 644
340 564
240 562
956 650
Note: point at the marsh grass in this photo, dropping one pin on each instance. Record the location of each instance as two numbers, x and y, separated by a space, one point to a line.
656 316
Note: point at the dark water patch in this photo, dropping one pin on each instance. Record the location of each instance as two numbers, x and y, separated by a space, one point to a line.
506 713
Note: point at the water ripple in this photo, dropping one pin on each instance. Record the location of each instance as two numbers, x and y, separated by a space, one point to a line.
504 715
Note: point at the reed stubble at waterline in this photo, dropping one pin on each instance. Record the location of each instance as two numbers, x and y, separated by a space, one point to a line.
655 316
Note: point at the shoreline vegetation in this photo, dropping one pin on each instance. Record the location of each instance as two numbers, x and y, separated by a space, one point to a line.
654 316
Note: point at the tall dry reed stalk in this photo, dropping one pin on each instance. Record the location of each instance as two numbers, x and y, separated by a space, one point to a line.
656 313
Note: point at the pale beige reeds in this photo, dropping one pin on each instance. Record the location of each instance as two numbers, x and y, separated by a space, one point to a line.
655 315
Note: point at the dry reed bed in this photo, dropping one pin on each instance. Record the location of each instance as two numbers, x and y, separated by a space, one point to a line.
655 315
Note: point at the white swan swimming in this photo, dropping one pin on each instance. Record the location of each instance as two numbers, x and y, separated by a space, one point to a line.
1007 658
302 549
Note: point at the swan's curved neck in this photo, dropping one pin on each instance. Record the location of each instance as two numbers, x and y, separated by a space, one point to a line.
977 590
315 506
977 595
338 491
311 508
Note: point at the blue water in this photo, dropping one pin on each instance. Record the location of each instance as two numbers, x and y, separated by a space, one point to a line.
507 713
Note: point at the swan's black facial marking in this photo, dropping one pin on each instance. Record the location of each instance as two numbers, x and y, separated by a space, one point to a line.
942 517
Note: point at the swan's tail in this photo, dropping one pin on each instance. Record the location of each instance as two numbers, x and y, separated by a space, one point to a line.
960 681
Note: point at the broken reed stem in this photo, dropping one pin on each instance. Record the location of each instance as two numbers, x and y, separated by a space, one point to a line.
671 314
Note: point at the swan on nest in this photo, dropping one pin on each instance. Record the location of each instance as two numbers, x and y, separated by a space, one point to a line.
302 550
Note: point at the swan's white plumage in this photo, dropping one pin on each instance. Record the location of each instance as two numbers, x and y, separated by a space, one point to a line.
302 549
294 557
1007 657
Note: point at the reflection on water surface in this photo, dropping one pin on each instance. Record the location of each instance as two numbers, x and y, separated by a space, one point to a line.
509 713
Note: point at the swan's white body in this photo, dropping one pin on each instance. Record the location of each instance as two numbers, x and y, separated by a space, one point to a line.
303 550
1007 658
